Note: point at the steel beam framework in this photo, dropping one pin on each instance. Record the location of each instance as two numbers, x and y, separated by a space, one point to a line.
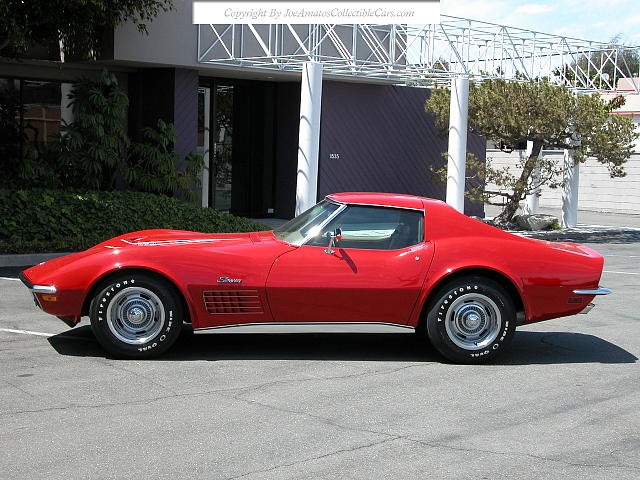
422 54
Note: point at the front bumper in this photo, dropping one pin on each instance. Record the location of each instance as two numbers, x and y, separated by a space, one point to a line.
45 298
46 289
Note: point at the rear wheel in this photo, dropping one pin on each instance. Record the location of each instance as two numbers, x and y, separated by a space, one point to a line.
136 316
471 320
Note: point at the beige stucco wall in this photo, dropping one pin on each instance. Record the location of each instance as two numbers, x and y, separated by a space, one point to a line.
598 192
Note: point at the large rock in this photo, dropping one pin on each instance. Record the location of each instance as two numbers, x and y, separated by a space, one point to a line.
535 222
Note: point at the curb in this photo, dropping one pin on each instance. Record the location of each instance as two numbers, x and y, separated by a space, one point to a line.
28 259
586 234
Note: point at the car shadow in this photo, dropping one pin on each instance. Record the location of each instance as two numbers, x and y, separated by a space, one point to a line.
527 348
541 348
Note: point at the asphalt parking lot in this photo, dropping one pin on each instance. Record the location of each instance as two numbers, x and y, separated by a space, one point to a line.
564 401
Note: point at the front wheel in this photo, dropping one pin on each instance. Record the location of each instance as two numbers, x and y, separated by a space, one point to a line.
136 316
471 320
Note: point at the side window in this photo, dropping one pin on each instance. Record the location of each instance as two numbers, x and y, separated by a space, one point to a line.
373 228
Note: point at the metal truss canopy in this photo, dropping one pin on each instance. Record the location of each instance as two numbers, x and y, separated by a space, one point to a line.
423 54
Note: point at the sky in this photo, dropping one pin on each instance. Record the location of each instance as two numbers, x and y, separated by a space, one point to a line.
598 20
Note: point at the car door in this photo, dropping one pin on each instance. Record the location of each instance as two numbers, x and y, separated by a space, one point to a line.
374 273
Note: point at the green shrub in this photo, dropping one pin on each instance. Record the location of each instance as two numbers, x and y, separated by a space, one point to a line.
63 221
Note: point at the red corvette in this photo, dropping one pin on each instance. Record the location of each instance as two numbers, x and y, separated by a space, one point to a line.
353 258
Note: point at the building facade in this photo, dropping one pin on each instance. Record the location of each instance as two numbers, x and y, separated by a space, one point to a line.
244 122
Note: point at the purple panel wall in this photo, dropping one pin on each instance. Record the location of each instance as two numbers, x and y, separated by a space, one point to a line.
378 138
169 94
185 113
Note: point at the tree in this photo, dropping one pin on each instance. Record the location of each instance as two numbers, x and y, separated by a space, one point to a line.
510 113
95 150
78 24
94 146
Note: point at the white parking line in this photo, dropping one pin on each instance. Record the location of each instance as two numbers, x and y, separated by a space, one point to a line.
621 273
27 332
12 279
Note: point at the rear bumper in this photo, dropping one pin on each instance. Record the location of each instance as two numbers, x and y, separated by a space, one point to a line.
591 292
595 291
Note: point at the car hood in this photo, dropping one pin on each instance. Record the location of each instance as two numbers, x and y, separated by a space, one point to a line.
176 238
155 249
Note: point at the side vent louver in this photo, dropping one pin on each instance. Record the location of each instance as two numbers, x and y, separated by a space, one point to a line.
232 301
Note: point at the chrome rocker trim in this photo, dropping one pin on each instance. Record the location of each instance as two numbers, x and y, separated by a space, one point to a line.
307 324
597 291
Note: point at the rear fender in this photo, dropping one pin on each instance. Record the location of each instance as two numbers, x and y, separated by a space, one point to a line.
438 278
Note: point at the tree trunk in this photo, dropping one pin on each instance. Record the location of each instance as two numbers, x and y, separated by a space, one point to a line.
519 191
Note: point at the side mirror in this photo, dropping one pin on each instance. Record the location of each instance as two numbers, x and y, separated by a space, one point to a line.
335 238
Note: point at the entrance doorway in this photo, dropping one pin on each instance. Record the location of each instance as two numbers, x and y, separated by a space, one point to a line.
247 135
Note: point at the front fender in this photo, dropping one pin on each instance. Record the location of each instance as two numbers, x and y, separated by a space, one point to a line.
75 276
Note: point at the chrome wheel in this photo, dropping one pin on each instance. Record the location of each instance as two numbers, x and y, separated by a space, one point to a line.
135 315
473 321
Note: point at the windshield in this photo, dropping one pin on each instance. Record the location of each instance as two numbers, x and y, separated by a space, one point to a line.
307 224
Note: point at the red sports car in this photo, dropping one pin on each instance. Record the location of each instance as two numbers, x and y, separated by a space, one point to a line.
354 258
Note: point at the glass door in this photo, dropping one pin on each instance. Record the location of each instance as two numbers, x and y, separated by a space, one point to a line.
204 138
221 172
215 144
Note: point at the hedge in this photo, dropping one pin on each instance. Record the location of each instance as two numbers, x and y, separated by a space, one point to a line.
34 221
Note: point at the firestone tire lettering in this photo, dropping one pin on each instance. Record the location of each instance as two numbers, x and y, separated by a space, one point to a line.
158 343
487 292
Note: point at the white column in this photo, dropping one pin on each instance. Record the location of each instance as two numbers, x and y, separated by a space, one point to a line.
309 136
66 112
570 190
457 153
532 201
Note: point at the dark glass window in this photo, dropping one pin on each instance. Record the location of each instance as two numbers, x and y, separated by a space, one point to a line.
10 119
41 114
374 228
31 111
